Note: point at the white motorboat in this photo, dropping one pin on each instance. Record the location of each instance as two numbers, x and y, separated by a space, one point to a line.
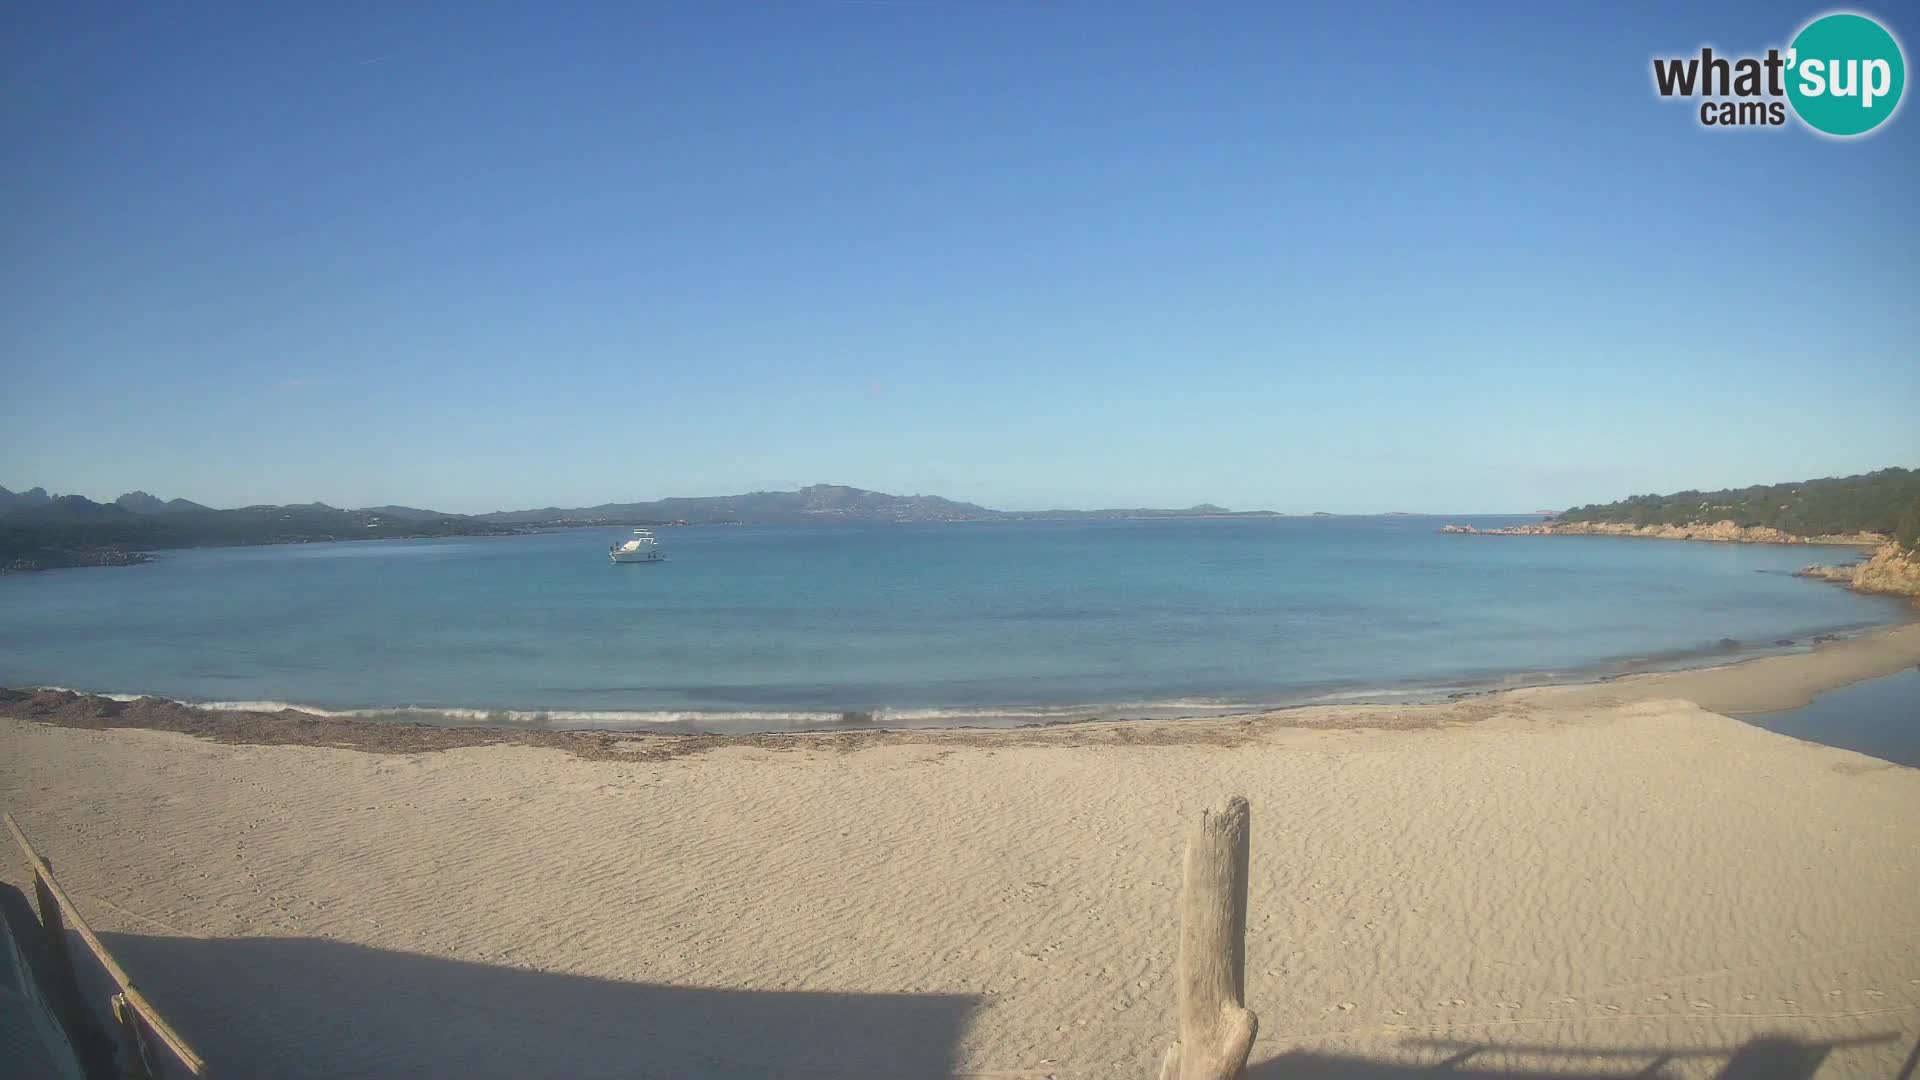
641 548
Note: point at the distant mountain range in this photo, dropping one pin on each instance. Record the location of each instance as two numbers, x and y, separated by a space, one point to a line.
41 531
819 503
142 503
23 500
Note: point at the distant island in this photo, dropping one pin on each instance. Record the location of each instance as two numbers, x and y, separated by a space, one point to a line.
39 531
825 503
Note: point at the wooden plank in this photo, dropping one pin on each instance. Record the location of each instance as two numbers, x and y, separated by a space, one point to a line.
66 915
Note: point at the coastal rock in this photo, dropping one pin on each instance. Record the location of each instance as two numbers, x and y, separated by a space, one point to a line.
1718 531
1892 571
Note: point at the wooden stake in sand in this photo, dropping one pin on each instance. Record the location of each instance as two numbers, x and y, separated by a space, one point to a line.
1216 1029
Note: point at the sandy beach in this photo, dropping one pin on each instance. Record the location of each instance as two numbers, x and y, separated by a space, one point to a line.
1590 881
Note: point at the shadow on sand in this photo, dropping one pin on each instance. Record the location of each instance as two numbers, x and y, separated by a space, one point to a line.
292 1007
1771 1057
288 1007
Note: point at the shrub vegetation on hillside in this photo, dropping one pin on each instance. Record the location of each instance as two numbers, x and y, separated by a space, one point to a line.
1886 502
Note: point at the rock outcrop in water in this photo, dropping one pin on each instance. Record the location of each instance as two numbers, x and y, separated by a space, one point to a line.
1892 571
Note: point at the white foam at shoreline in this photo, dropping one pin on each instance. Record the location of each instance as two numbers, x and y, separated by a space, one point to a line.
706 719
1377 695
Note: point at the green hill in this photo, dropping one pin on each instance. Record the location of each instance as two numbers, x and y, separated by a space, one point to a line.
70 530
1887 502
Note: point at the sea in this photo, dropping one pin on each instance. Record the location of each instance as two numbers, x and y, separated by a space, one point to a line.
990 624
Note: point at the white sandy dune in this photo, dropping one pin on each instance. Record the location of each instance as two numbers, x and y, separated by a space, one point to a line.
1540 883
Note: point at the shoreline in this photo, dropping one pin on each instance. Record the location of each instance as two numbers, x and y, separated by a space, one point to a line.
1747 686
1551 883
1761 684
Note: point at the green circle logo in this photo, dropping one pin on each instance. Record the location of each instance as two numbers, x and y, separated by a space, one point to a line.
1845 74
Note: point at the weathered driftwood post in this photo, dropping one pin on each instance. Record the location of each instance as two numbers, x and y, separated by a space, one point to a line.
1216 1029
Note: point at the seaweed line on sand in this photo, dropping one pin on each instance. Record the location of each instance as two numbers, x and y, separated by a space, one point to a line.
293 727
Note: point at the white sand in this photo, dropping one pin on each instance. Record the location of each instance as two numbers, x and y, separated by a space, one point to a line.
1558 888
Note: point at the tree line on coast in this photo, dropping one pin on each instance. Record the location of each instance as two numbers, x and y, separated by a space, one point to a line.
73 531
1885 502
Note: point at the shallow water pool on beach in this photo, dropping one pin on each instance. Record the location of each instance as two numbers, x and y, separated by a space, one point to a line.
770 628
1880 717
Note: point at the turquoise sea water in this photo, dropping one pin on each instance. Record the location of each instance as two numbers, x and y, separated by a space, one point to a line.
764 628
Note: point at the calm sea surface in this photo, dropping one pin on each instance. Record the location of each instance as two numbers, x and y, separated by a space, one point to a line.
764 628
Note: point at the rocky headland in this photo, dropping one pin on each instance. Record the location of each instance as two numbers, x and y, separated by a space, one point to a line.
1892 570
1725 532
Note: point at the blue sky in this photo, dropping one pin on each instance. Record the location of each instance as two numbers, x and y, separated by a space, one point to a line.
1418 257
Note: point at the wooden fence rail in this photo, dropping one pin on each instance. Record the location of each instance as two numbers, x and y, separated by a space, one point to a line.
146 1040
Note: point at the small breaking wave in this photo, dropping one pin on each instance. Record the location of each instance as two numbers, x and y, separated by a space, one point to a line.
696 721
1378 695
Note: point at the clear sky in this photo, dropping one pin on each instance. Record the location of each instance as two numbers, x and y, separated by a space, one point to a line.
481 256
